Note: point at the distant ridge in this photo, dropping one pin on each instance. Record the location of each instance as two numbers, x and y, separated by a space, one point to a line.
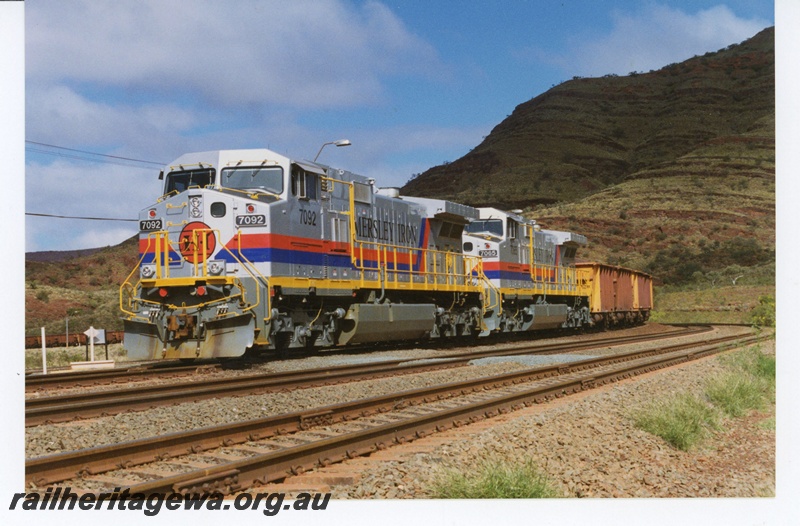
587 134
60 255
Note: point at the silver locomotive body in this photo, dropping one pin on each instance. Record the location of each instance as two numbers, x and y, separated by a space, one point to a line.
248 247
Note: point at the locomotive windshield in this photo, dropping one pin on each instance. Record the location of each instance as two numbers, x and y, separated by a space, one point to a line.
180 181
487 226
264 178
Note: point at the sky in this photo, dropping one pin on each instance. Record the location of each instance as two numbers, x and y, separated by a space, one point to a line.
411 84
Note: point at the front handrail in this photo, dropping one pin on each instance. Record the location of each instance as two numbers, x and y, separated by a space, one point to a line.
255 274
200 256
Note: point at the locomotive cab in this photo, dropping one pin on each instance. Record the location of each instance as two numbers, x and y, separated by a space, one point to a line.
197 288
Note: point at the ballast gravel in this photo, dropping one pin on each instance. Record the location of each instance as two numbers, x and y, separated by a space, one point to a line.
588 447
587 444
55 438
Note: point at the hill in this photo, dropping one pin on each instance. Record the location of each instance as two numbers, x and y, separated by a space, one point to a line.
671 171
83 285
60 255
587 134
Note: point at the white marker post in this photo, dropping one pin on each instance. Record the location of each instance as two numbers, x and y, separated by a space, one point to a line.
44 354
92 338
91 334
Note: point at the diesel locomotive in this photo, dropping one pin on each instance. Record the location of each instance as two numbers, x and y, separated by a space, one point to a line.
251 249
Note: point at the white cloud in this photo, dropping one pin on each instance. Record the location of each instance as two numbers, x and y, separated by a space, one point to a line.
84 190
55 112
103 237
650 39
312 53
88 189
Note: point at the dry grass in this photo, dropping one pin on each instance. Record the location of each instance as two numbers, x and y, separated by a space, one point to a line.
684 421
63 356
496 480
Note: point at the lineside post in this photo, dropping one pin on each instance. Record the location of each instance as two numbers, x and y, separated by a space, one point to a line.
44 353
91 334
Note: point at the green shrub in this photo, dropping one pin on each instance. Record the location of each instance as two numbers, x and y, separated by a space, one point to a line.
757 368
496 480
768 423
736 393
764 314
682 421
765 367
752 361
748 383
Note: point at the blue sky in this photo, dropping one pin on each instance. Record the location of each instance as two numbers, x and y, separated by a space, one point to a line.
411 83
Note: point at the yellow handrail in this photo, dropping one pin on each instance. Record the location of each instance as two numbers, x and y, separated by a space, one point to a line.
199 262
266 280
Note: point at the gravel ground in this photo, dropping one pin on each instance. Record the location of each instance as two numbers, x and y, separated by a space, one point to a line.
55 438
330 359
585 443
589 447
333 358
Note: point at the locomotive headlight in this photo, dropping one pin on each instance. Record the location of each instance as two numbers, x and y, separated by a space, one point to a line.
147 271
195 209
216 267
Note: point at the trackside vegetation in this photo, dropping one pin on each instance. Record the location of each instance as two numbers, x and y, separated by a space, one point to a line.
748 383
682 422
764 314
63 356
495 480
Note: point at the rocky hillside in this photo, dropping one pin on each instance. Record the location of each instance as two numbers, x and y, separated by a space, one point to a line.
587 134
83 285
671 171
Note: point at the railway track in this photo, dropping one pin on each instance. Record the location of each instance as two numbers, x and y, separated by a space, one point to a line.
148 370
36 382
233 457
62 408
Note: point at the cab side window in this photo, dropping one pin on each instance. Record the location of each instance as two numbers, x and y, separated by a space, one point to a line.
304 184
511 229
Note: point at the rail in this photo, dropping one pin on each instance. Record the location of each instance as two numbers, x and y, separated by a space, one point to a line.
63 407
